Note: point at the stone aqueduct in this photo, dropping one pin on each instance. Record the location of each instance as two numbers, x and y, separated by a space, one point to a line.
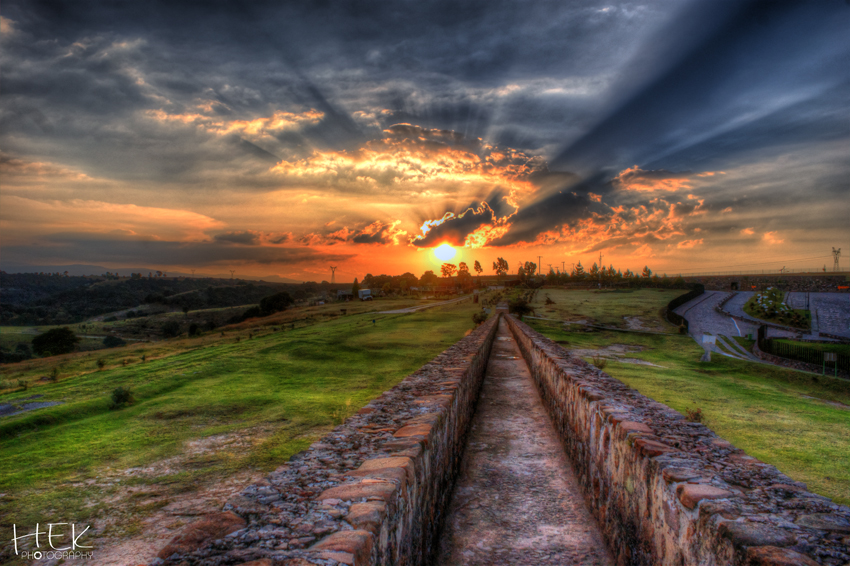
664 491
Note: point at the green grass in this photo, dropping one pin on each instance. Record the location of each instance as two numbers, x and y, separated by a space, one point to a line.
607 307
745 342
789 419
295 384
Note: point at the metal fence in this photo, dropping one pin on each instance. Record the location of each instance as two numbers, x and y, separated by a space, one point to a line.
801 271
805 354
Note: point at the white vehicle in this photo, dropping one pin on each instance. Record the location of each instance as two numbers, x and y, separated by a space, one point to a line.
365 294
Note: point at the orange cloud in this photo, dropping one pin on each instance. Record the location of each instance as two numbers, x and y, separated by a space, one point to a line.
687 244
748 231
22 217
267 126
771 238
637 179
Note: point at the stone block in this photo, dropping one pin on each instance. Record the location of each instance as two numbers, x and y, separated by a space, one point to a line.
690 494
400 462
356 543
363 490
773 556
413 430
367 516
633 426
743 534
652 447
195 535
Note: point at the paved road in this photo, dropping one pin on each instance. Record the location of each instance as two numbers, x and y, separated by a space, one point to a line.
517 500
830 310
703 319
422 307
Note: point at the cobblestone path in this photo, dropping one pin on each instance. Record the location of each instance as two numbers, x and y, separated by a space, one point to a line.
517 500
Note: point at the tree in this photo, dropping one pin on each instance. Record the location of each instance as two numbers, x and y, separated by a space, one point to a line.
355 288
448 269
55 341
500 266
429 279
275 303
594 271
530 268
171 329
462 267
647 272
478 269
464 279
578 272
113 342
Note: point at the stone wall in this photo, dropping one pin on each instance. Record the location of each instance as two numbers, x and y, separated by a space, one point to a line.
791 282
373 491
670 492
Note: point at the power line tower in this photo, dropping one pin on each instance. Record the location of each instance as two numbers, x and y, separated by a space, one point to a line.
232 273
835 254
333 274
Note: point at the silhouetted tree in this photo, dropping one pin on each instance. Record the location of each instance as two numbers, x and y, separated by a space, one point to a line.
55 341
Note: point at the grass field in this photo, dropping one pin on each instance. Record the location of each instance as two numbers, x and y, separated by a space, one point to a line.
620 308
822 347
291 385
796 421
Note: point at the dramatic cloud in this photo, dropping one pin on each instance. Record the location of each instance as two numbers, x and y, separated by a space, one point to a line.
287 133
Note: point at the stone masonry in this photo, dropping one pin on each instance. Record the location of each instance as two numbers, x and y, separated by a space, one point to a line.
671 492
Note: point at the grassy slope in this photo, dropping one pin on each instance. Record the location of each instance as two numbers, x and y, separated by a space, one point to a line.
298 383
762 409
607 307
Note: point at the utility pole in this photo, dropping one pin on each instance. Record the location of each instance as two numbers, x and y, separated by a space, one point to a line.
835 254
538 265
232 272
600 270
563 266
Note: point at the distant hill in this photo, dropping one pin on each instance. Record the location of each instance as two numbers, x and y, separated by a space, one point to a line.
33 299
82 270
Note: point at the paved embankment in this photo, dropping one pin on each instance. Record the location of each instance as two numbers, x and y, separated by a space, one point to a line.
517 500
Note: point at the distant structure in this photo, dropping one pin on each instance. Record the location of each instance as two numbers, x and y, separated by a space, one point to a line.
835 255
333 274
232 272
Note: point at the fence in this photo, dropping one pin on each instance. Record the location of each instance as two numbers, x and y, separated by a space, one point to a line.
806 271
674 318
801 353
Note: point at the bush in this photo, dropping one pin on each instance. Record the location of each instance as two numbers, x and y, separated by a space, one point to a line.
194 329
599 361
479 317
54 375
121 397
113 342
101 363
694 415
520 307
23 385
171 329
55 341
275 303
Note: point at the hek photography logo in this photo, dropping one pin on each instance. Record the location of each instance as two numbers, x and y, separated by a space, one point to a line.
48 544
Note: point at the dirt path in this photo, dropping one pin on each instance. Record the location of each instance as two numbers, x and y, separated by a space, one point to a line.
422 307
517 500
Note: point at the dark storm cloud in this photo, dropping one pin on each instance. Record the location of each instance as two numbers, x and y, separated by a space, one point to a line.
87 248
245 238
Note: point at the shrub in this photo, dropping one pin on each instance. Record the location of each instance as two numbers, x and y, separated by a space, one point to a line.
55 341
275 303
194 329
549 300
23 385
171 329
113 342
520 307
599 361
479 317
121 397
694 415
101 363
54 375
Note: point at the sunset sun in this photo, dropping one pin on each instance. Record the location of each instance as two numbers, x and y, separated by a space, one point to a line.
444 252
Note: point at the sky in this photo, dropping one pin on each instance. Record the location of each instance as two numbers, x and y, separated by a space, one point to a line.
282 138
